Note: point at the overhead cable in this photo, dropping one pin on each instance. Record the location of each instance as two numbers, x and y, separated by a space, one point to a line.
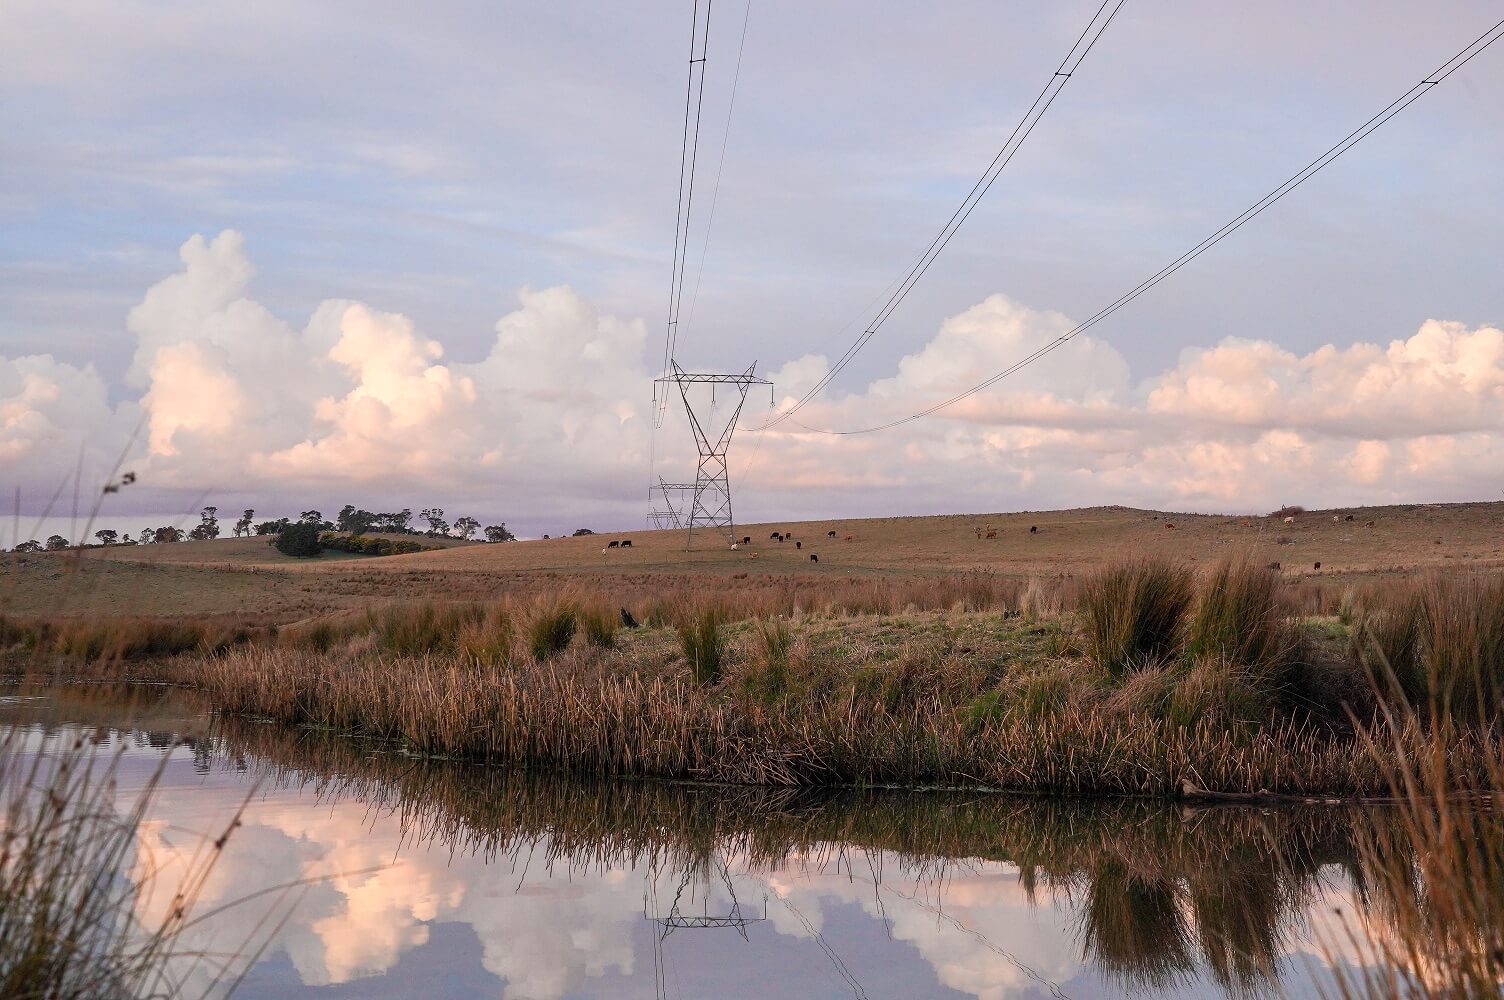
1409 97
1087 40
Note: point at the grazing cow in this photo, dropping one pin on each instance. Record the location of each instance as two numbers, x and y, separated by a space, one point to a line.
1317 566
1290 520
1274 565
612 545
545 538
747 540
626 543
775 537
1368 524
1348 518
798 545
830 534
1033 529
991 534
813 558
627 620
1169 525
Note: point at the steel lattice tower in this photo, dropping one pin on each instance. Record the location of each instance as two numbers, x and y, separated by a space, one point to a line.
710 502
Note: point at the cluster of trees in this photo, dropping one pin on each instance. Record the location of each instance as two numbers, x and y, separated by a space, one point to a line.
351 520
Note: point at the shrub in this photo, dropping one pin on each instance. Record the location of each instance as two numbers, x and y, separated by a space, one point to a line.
1134 613
702 637
552 627
300 540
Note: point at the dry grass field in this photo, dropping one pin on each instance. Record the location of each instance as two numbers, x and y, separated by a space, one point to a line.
249 579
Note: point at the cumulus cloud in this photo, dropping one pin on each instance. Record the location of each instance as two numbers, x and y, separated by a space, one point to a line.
361 404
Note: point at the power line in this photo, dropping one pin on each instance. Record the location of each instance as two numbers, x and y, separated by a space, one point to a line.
1409 97
694 96
715 189
1087 40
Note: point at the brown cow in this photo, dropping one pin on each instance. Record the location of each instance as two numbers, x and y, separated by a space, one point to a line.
1169 525
991 534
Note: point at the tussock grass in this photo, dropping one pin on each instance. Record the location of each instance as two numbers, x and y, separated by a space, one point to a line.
598 623
1134 613
701 628
1239 620
551 625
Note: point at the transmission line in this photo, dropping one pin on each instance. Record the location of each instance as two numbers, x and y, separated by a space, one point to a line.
715 189
694 97
1409 97
1088 39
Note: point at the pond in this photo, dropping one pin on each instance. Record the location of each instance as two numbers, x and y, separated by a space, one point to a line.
358 871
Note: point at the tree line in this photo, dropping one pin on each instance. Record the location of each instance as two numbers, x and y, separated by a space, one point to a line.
351 520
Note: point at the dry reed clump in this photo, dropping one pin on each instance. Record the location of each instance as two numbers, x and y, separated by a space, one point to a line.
71 924
118 639
1439 872
1134 613
586 718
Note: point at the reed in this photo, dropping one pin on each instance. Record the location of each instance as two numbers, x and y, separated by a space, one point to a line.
72 922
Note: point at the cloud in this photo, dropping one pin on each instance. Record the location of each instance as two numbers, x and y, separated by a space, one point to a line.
554 419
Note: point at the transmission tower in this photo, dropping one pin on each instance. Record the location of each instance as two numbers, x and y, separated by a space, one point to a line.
710 497
669 511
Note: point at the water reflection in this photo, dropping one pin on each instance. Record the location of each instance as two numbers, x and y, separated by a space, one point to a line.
448 879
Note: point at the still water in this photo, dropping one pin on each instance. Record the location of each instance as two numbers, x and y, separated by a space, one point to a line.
394 877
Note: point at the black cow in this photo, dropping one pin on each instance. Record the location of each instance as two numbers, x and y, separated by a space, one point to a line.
612 545
1274 565
798 545
830 534
747 540
776 537
813 558
627 620
1318 566
626 543
1033 529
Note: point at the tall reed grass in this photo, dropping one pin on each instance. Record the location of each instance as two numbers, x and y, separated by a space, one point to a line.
72 884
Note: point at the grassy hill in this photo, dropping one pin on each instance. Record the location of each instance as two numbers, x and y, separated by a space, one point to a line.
246 576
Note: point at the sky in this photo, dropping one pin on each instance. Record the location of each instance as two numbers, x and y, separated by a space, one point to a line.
290 256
